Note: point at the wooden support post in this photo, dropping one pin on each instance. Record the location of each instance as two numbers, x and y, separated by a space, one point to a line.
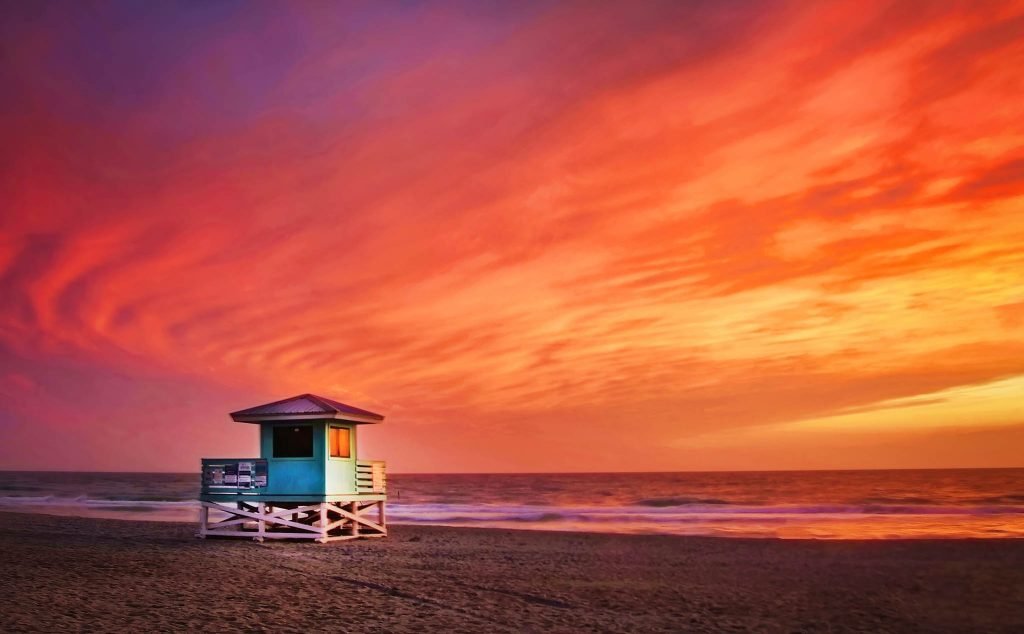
323 523
204 517
261 523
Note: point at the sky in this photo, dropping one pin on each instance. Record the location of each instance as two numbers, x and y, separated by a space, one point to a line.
535 236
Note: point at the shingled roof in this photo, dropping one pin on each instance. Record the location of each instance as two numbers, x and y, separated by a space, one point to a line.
305 406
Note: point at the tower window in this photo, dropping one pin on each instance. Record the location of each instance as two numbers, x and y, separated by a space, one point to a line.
340 442
293 441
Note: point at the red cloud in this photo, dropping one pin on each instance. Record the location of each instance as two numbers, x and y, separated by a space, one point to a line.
696 220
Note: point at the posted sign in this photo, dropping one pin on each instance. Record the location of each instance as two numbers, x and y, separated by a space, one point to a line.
235 474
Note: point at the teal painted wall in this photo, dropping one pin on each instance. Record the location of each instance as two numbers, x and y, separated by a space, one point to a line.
318 475
294 476
341 472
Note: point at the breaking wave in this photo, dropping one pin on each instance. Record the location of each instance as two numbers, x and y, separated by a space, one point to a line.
801 505
428 513
52 500
159 510
662 502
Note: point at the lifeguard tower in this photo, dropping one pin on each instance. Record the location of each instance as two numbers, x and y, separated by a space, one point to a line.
308 482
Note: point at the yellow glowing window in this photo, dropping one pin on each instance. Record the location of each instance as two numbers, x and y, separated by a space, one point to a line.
340 443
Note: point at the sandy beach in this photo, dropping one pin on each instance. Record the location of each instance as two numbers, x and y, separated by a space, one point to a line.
73 573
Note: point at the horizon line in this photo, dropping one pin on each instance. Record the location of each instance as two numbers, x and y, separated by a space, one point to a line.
1001 468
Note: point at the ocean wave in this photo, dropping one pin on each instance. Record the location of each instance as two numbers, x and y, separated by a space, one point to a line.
909 499
86 502
458 513
141 498
850 505
655 509
678 501
999 499
810 521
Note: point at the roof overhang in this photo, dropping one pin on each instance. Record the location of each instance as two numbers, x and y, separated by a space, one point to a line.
305 407
284 418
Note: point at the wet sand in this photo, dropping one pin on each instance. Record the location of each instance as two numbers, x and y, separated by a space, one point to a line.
72 573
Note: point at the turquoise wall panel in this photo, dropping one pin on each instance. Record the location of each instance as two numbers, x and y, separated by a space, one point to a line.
295 476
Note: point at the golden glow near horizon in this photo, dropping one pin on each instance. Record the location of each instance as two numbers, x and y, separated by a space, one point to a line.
535 245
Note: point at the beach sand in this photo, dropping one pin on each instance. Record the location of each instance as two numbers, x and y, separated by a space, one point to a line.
72 573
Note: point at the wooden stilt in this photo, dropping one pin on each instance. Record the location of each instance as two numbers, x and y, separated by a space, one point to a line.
262 523
204 517
322 522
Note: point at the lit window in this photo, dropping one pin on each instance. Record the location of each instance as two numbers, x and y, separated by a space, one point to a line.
340 444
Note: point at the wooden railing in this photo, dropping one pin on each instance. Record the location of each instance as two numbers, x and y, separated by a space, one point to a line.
249 476
370 477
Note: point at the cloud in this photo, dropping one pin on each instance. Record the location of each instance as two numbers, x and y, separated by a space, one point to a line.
474 218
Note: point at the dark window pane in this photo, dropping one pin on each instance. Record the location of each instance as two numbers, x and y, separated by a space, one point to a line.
293 441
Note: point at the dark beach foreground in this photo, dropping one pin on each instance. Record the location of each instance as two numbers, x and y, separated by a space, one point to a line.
88 574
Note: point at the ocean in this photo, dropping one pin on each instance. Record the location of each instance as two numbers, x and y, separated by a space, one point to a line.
894 504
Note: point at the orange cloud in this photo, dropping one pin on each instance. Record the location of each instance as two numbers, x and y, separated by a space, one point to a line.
554 239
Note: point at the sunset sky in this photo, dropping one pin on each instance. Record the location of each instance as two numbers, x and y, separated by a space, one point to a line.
588 236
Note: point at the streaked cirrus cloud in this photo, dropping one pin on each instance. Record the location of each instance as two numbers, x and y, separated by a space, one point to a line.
547 236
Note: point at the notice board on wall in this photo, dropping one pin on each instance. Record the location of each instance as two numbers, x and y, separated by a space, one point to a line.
235 474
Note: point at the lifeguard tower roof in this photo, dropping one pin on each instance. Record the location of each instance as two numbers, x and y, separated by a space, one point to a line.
305 406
